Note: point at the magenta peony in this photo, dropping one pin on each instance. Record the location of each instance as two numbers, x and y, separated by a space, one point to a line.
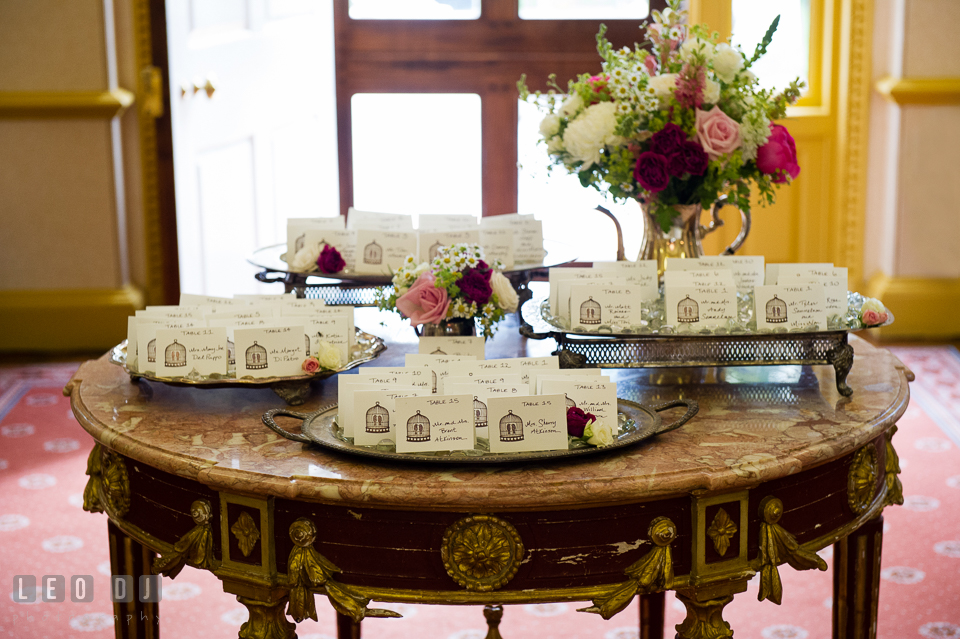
577 420
651 172
330 260
688 158
667 140
778 157
475 286
424 302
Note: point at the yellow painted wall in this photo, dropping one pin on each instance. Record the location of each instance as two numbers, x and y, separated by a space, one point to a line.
63 251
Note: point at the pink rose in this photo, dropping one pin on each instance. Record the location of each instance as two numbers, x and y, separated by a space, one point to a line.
718 133
778 157
873 318
424 303
310 365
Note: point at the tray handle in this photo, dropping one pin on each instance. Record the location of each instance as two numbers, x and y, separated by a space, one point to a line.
268 419
692 409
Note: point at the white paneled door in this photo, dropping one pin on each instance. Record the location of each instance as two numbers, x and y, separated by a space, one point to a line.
254 130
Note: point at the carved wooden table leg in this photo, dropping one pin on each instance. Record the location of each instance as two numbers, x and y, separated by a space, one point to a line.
347 628
127 557
493 615
704 619
856 582
267 620
652 613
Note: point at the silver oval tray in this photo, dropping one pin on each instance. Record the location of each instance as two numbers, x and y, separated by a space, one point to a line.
637 423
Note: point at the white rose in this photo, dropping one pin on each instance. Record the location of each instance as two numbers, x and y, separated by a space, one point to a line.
727 62
329 355
555 145
549 126
305 260
696 45
598 434
663 84
503 289
590 132
711 92
571 106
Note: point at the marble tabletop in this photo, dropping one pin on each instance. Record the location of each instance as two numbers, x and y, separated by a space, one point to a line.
755 424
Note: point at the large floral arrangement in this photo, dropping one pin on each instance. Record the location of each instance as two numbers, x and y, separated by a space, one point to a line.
458 283
677 120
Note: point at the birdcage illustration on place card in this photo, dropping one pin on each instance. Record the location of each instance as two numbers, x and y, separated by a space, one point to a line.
435 250
590 312
300 242
418 428
688 311
569 402
479 413
372 253
306 343
433 380
256 357
511 428
378 419
152 350
175 355
776 311
231 352
438 352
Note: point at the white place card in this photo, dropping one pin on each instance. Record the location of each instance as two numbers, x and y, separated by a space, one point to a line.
593 305
383 252
188 299
480 379
832 278
257 311
435 423
348 386
531 423
498 244
528 239
566 374
748 270
186 351
481 396
332 329
174 312
530 366
772 271
791 306
417 377
291 305
144 337
467 345
565 291
596 397
447 222
381 221
257 298
298 226
700 306
438 365
270 351
641 274
556 276
376 411
699 277
430 243
293 313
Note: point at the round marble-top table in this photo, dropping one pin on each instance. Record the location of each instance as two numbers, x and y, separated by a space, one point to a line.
776 466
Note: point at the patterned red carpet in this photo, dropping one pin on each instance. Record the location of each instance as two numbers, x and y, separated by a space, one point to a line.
43 531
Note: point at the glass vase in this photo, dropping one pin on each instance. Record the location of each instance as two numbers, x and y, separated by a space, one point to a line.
456 327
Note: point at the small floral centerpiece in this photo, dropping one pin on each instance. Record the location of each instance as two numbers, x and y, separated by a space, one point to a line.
583 426
457 284
679 120
873 312
327 358
312 260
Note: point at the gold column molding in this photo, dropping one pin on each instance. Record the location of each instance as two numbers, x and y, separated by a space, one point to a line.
923 91
65 104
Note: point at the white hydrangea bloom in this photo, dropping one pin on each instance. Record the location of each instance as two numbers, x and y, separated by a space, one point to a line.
696 45
754 132
549 126
590 132
663 84
555 145
727 61
711 92
571 106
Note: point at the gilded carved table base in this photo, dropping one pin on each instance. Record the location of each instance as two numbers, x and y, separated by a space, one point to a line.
704 618
267 620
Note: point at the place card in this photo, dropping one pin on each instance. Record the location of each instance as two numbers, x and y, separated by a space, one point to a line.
772 271
188 299
348 386
596 397
530 366
531 423
298 226
345 241
480 379
383 252
376 412
593 305
498 244
832 278
438 365
191 351
256 298
447 222
174 312
528 239
565 292
589 374
700 277
700 306
791 306
556 276
435 423
245 312
294 312
748 270
481 396
291 305
641 274
467 345
332 329
417 377
143 334
269 351
382 221
430 243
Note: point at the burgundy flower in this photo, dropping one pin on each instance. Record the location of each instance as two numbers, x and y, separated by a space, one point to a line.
484 268
778 157
475 286
651 172
577 421
330 260
667 140
689 158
